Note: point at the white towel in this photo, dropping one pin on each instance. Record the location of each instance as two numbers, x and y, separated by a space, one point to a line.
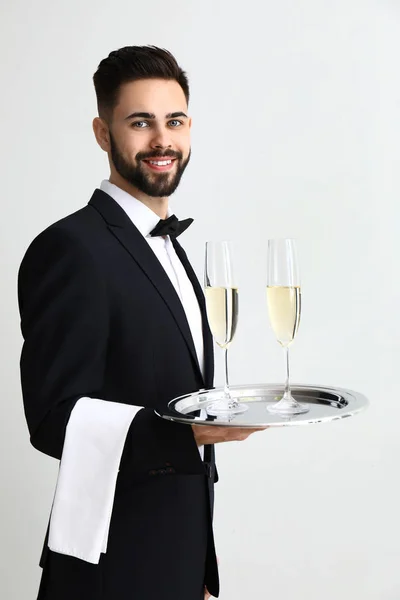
84 496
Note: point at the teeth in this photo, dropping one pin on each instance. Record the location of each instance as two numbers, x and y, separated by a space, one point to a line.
160 163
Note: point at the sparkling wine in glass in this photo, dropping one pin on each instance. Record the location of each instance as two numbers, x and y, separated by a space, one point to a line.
284 307
222 302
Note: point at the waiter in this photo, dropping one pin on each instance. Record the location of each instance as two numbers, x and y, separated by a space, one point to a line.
114 326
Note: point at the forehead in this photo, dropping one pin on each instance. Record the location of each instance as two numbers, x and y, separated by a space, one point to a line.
158 96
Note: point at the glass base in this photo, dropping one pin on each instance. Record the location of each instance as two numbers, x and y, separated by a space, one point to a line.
288 406
226 408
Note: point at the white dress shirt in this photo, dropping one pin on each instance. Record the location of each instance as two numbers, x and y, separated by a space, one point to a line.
97 429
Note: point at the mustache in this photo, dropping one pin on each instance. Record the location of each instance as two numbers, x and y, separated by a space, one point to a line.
159 154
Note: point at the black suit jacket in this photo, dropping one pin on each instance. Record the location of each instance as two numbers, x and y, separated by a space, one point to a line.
100 318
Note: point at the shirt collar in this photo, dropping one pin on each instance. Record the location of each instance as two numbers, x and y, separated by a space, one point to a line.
141 215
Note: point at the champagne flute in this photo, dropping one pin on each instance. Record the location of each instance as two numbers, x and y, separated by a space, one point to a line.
284 307
222 302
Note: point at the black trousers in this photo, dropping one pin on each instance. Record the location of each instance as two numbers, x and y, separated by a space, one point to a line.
156 550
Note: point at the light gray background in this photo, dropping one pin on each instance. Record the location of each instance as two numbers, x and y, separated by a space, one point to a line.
296 129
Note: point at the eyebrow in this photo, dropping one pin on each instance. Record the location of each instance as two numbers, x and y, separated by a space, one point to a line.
146 115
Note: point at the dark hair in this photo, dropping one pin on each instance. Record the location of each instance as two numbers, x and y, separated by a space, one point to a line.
133 63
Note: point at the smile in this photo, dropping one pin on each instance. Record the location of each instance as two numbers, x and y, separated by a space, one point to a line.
160 165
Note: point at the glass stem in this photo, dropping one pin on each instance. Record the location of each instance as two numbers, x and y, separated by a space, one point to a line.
287 393
226 385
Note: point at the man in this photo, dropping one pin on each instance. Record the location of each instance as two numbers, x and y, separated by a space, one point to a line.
114 326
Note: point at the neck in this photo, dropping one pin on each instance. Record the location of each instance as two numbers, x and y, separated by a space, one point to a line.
158 205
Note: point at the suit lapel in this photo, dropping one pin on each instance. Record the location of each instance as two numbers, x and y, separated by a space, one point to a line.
207 337
129 236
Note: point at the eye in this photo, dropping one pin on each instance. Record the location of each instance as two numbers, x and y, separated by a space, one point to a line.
140 124
175 123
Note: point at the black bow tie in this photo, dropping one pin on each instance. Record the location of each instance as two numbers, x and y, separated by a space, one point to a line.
171 226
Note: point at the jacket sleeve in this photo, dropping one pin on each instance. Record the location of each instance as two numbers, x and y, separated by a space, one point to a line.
65 325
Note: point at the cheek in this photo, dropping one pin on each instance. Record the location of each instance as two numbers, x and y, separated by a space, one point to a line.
131 148
184 143
131 144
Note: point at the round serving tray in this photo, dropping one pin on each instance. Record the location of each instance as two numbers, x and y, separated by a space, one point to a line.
325 404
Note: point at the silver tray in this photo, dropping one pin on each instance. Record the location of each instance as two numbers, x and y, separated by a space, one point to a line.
325 403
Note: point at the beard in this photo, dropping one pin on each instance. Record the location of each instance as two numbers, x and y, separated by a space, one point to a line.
157 185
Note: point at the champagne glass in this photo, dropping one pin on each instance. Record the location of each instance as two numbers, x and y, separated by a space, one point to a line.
222 302
284 307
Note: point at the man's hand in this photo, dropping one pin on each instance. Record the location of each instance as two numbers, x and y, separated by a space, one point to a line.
217 434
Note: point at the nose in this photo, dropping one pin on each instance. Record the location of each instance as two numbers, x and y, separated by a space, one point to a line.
161 139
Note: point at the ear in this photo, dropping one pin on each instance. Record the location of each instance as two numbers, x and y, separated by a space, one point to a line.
101 132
